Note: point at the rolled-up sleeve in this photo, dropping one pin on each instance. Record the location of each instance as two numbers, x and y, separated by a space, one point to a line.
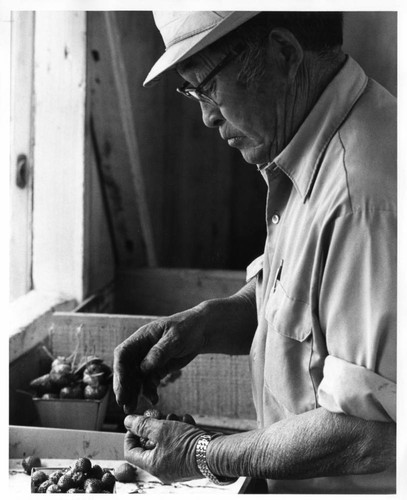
358 315
355 390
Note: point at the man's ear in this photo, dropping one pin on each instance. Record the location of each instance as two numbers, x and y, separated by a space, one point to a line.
287 51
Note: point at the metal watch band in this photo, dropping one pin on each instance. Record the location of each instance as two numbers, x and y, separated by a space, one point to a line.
200 455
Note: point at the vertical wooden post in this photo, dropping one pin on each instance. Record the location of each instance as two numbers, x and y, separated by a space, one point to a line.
121 82
59 152
22 27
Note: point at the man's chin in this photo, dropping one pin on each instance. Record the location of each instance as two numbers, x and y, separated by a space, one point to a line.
253 157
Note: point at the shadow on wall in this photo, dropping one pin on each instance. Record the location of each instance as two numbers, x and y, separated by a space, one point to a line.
371 39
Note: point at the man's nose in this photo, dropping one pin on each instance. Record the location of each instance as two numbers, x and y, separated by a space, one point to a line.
211 115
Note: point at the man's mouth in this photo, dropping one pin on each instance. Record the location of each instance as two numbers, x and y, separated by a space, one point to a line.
235 141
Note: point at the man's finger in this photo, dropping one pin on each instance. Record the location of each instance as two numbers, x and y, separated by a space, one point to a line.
133 452
138 425
126 387
158 356
126 378
150 390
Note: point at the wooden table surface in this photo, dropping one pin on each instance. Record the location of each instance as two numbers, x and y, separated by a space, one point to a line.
20 482
104 449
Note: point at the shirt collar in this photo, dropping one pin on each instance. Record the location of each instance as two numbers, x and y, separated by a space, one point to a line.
300 159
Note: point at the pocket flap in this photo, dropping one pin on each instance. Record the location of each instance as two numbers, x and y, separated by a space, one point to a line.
288 316
254 268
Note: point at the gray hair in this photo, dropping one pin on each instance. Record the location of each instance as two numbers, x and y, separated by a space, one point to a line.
318 32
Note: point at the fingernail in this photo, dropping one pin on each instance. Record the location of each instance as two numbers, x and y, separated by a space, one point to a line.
128 420
144 366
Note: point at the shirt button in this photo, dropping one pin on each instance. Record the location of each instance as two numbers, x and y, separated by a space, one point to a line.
275 219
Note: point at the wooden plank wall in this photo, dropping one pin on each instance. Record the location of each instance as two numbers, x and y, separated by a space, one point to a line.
167 291
109 169
206 204
377 54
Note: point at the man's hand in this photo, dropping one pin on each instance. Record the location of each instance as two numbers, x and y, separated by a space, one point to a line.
153 351
171 453
161 347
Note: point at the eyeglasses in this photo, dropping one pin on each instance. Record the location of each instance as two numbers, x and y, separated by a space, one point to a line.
196 93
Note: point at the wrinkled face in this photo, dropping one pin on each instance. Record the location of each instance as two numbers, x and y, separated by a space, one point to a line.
250 119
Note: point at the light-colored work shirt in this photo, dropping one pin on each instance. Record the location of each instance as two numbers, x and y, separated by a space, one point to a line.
326 284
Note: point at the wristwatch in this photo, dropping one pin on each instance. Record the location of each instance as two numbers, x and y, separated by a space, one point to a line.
200 455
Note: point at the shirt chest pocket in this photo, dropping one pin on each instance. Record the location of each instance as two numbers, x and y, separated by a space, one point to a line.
288 351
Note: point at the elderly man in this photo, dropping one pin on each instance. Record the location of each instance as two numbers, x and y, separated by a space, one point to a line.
317 314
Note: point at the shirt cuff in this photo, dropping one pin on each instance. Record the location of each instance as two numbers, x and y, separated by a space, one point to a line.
254 268
355 390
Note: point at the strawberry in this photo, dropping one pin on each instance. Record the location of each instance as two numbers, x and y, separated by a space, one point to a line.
153 413
188 419
78 478
172 416
125 473
96 472
93 486
54 488
97 392
143 442
54 477
108 481
42 488
30 462
65 482
82 465
38 477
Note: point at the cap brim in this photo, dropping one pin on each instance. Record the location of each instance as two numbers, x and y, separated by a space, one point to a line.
190 46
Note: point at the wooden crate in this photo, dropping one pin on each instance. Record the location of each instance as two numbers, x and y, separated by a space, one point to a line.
215 388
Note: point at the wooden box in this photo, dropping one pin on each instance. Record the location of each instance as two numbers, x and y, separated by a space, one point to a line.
214 388
88 414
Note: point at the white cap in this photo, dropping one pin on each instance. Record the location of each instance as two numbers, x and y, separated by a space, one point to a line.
187 32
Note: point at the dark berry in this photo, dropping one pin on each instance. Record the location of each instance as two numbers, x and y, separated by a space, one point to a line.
82 465
125 473
153 413
96 472
188 419
93 367
38 477
42 488
172 416
50 395
54 488
143 442
65 482
71 392
54 477
78 478
93 486
108 481
30 462
97 392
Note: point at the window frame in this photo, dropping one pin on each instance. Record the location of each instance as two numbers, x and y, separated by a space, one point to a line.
58 140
